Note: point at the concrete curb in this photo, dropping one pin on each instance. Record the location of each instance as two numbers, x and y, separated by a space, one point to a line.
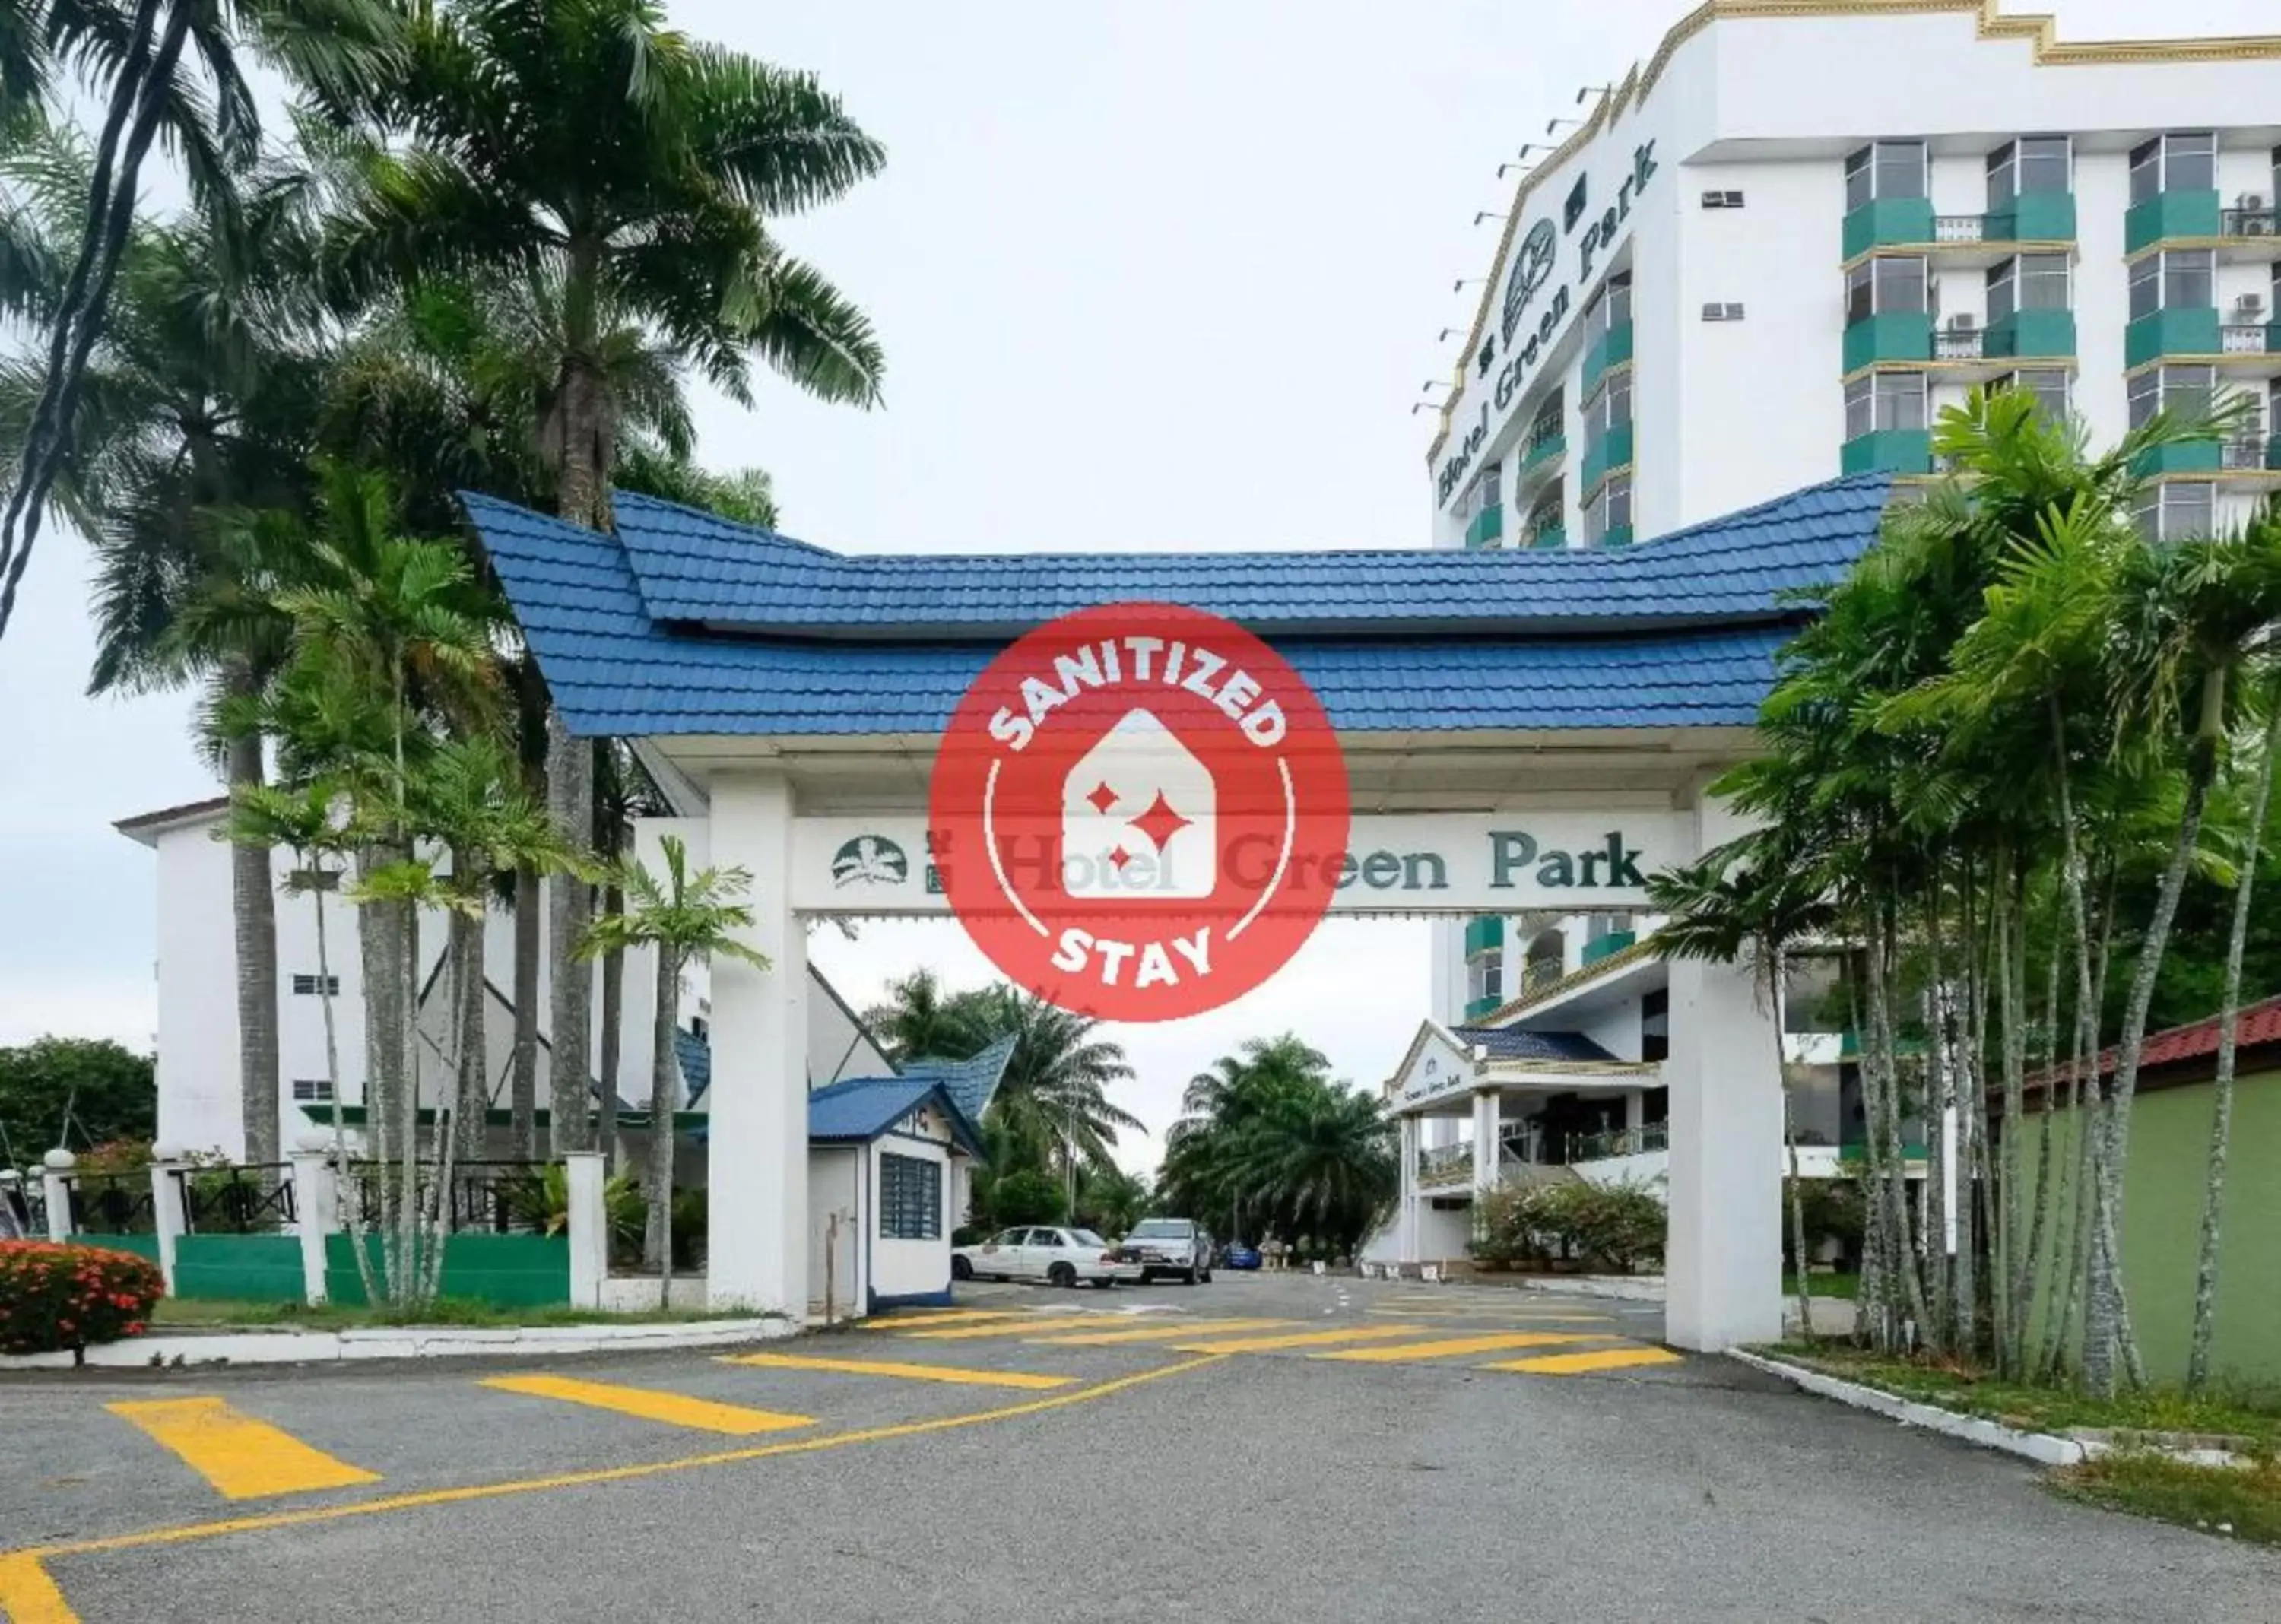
407 1342
2045 1448
1631 1288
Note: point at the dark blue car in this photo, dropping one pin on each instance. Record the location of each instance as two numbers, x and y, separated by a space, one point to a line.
1239 1256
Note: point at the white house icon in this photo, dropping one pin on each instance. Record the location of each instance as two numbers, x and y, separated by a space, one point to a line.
1139 817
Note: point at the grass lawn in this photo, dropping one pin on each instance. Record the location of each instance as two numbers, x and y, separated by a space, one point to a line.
2245 1502
1845 1286
177 1313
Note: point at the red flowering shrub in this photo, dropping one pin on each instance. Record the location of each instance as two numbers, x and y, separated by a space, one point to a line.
72 1296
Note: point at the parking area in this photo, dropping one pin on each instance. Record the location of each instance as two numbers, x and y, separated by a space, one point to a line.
1286 1445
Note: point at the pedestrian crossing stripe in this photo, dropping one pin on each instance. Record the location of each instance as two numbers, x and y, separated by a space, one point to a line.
907 1373
1451 1346
1583 1363
27 1596
1165 1332
1018 1327
1301 1339
930 1318
1507 1315
672 1409
245 1459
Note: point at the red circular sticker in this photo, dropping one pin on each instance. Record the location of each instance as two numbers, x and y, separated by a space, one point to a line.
1138 812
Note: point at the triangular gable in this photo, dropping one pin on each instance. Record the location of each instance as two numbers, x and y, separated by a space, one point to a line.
1437 1061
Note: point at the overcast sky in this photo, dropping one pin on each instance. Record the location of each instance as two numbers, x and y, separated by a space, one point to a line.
1148 276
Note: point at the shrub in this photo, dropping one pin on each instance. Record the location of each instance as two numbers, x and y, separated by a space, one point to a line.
691 1215
1616 1226
1026 1198
72 1296
1831 1209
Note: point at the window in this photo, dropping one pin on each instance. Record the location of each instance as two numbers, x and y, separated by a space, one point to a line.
2181 390
2050 385
2029 281
2176 511
1877 286
1885 169
311 1090
1722 200
910 1198
1719 311
1546 515
1608 308
2031 164
2175 163
1610 408
1485 978
1885 400
307 985
2176 279
1610 509
1546 425
1488 488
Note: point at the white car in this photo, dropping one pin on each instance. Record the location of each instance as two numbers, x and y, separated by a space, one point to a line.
1038 1252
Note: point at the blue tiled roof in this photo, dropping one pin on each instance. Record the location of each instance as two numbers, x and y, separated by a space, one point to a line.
860 1109
970 1083
696 1058
1510 1043
1676 633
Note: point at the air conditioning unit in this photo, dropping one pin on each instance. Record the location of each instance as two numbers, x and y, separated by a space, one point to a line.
1963 321
2248 307
2249 200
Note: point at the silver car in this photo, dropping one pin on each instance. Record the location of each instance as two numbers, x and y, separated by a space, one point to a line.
1178 1247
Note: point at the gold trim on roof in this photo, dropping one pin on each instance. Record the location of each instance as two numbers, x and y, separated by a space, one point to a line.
2039 29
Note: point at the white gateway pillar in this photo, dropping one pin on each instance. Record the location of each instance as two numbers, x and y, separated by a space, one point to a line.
757 1236
1488 1109
1406 1220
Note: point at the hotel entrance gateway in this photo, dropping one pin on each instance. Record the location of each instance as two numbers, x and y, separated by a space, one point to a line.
1521 731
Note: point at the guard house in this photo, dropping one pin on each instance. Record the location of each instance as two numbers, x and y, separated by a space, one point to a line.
1486 703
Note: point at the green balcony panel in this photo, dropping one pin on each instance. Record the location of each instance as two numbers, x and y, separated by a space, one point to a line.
1891 451
1894 336
1603 456
2033 217
1542 452
2273 453
2029 333
1488 525
2170 332
1479 1007
1610 350
1484 934
2171 214
1885 221
2180 457
1617 535
1550 536
1614 941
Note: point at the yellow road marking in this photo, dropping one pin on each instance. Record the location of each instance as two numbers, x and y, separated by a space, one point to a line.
572 1479
909 1372
1515 1316
1302 1339
1463 1344
244 1457
1015 1327
913 1320
1577 1364
1163 1332
673 1409
27 1596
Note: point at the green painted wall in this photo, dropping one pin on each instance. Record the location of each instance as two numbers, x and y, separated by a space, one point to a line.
2162 1225
244 1268
509 1271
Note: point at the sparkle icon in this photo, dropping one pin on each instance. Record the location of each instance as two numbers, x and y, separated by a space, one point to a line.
1160 822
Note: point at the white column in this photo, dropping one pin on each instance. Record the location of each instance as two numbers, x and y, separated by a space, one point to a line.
1409 1220
167 1217
316 1211
757 1239
1488 1105
1636 1110
55 1189
589 1226
1723 1267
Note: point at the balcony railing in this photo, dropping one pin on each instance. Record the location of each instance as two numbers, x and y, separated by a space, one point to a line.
1959 228
2243 338
1446 1164
2250 222
1960 344
2251 451
1618 1141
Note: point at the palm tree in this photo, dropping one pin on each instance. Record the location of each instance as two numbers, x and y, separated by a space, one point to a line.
919 1020
624 174
207 113
685 918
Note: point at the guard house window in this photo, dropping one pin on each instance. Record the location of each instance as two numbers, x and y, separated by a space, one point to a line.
1609 510
2028 282
1885 169
1608 308
2175 279
306 986
2183 391
910 1198
2031 164
311 1090
2176 511
2050 385
1878 287
2178 162
1882 401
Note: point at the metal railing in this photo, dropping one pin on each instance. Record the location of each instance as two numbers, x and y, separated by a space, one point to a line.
27 1203
114 1204
1446 1164
1959 228
1617 1141
1958 343
494 1197
2244 452
2249 222
2243 337
252 1200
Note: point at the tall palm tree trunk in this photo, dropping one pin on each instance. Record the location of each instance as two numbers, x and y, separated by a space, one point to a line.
614 1013
253 913
657 1234
570 805
471 1104
380 943
522 1059
2228 1031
